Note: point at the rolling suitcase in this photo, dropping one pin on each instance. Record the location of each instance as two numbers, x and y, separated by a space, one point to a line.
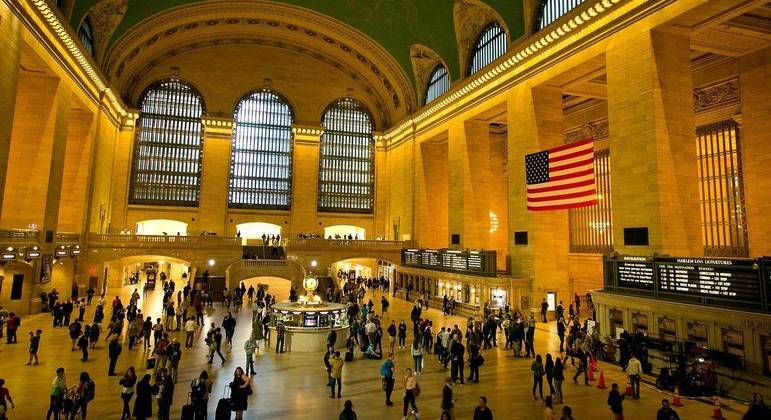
223 406
188 412
349 356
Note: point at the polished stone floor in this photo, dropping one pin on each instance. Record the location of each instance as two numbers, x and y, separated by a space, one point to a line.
292 385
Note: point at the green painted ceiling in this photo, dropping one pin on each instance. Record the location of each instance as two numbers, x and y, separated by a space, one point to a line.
394 24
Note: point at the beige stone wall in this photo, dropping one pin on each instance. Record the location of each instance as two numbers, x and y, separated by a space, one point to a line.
431 201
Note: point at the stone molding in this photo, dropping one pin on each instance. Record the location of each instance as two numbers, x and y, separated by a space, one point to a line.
720 95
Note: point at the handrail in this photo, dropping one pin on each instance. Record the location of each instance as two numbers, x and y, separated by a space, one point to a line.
67 237
96 239
343 243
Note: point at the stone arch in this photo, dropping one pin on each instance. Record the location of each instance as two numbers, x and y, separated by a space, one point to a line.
470 17
424 61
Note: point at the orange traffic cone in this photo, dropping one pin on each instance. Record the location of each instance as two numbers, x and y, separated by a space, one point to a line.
628 391
590 373
601 382
717 414
676 401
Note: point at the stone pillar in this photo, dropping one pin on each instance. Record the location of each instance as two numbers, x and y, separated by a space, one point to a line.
470 179
652 143
215 175
305 179
75 177
121 174
9 69
431 198
36 158
755 137
535 124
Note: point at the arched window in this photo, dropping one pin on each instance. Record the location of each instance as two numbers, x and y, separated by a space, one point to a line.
169 142
86 36
490 45
346 164
261 158
438 83
551 10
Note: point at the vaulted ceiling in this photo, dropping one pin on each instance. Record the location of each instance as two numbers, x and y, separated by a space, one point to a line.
394 24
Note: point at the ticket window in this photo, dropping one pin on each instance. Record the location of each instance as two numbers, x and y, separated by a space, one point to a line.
697 333
498 297
765 341
733 341
639 323
616 322
667 329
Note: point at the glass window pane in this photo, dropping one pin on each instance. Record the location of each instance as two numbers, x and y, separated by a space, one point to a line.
166 169
438 83
346 163
552 10
490 45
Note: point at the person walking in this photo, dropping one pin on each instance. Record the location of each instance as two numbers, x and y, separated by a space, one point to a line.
482 411
336 374
240 389
411 392
615 400
387 372
391 336
549 369
417 357
448 403
558 376
758 410
634 370
165 395
538 371
280 331
190 327
143 404
402 334
199 395
58 388
582 366
457 351
544 310
85 392
5 399
216 346
127 383
667 413
250 346
34 345
114 349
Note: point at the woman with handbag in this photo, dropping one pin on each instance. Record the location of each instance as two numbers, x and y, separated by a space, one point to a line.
411 391
240 390
127 383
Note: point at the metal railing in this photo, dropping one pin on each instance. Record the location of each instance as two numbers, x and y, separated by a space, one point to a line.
67 238
172 241
344 243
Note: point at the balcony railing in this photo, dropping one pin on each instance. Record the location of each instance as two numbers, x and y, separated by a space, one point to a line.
67 238
171 241
320 243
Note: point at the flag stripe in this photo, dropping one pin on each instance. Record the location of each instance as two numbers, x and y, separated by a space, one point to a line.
591 193
571 145
562 206
566 156
561 187
571 165
588 171
583 188
560 182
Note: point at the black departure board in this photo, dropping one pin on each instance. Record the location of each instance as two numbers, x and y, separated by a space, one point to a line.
721 282
635 272
476 262
718 278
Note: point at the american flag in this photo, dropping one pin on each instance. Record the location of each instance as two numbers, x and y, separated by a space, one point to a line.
562 177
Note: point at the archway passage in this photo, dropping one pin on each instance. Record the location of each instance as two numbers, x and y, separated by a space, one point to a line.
161 227
352 268
136 271
255 231
275 286
344 231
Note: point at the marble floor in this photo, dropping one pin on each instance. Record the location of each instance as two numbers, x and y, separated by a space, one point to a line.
292 385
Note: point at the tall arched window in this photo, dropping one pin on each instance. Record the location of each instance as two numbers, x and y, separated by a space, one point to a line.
346 163
438 83
261 158
490 45
169 142
551 10
86 36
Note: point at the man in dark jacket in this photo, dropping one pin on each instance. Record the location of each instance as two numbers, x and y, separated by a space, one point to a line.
114 351
447 402
456 364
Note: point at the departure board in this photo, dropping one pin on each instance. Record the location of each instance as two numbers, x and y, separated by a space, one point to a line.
476 262
718 278
635 272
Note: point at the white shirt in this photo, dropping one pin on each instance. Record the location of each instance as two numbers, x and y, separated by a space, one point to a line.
633 367
190 325
371 327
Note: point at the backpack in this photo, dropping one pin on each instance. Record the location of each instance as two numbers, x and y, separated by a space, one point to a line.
90 390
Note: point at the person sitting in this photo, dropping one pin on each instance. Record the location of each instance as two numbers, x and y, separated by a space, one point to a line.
370 353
